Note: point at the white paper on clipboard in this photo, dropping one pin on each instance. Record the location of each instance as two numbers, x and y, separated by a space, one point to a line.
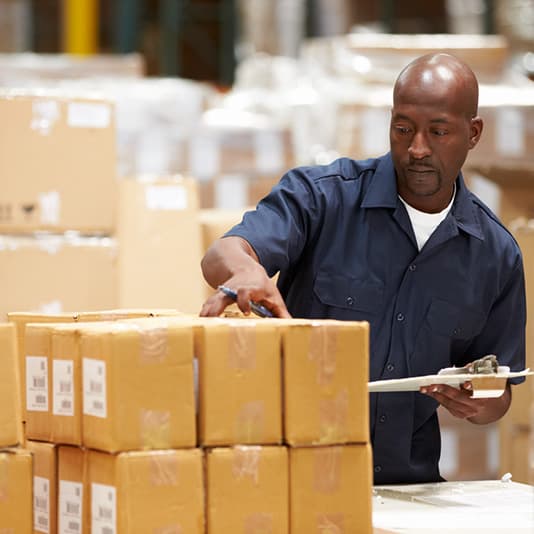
416 382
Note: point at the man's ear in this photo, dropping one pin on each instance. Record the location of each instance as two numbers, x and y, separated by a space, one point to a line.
475 131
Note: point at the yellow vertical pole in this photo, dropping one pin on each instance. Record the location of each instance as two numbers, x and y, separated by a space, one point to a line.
80 26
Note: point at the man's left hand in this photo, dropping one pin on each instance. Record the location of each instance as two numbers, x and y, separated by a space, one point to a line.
460 404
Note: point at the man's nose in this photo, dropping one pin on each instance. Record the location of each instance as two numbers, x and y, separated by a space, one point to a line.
419 147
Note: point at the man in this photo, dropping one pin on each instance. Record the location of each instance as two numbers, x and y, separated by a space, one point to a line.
398 241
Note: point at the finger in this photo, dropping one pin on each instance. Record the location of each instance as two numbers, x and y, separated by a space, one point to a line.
215 305
457 406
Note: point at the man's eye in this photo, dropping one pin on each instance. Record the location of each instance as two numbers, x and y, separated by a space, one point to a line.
402 129
440 133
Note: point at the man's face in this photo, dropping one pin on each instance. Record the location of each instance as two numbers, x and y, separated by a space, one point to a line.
430 136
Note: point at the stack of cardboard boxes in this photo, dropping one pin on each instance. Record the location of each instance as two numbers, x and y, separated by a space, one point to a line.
57 169
272 438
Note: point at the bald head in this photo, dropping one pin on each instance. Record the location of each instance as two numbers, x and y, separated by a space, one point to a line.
440 76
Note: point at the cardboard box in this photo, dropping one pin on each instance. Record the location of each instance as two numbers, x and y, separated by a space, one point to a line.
239 142
237 191
15 491
508 135
75 273
247 490
10 413
68 182
326 369
378 57
138 390
150 491
516 451
38 382
330 489
239 383
72 490
21 319
160 245
44 486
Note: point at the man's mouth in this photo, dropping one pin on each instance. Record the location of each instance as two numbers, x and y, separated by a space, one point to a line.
420 171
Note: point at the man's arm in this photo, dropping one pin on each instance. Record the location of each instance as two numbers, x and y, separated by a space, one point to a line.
231 261
459 403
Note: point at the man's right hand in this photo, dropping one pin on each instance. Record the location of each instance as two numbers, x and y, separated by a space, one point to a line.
261 291
232 262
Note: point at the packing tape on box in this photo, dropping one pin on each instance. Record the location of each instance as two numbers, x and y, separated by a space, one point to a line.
333 415
153 345
242 345
258 523
250 422
169 529
246 462
155 428
322 351
330 524
4 476
327 469
163 468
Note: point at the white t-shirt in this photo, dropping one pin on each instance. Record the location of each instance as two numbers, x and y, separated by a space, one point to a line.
423 223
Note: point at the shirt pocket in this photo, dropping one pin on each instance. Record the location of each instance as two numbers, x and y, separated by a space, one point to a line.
453 321
349 293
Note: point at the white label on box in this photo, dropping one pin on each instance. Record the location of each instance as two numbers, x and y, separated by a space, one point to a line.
45 114
63 387
231 192
374 131
41 504
94 387
88 115
509 132
36 383
166 197
70 507
269 150
50 206
103 509
204 156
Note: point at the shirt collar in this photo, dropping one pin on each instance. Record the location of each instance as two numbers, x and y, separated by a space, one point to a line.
382 193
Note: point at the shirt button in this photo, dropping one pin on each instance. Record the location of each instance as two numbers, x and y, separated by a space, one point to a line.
378 468
400 317
390 367
382 418
412 267
350 301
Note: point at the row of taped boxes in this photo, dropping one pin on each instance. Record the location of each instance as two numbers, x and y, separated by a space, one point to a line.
249 489
182 381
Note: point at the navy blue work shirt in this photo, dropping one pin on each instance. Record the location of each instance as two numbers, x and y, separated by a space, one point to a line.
344 245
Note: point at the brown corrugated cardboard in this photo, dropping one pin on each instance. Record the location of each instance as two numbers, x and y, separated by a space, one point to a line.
247 490
151 491
160 244
239 382
326 368
75 273
516 451
68 183
330 489
72 491
10 412
44 486
15 491
138 388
